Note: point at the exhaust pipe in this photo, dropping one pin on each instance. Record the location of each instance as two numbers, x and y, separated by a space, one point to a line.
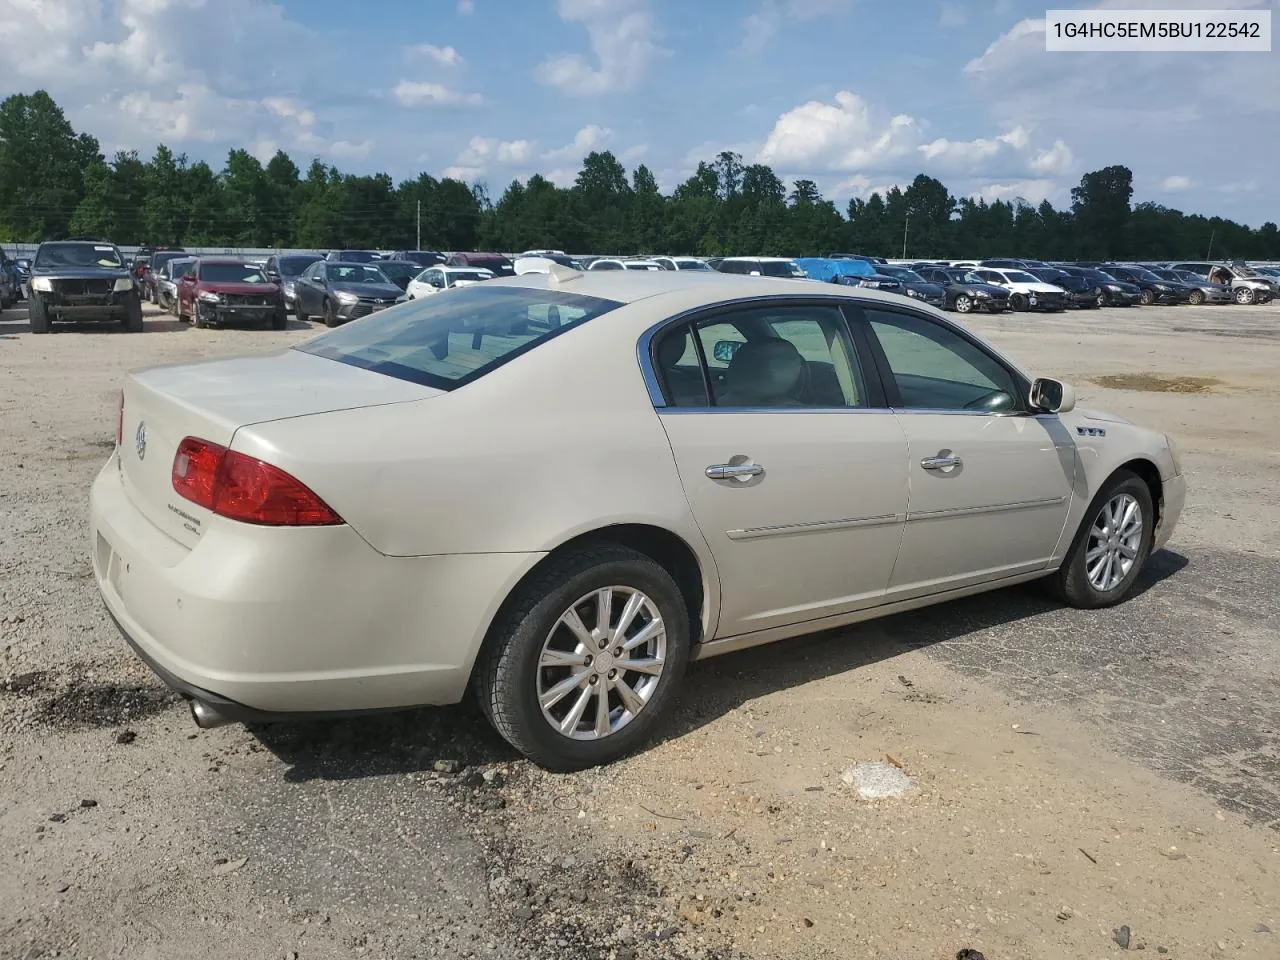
207 716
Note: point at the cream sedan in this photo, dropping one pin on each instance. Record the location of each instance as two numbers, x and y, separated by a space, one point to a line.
555 490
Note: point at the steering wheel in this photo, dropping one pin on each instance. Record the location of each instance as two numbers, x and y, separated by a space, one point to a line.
993 402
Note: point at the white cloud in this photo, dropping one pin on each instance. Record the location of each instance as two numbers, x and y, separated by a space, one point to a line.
413 94
290 109
1007 47
839 136
1240 186
463 172
1176 183
346 150
484 153
1033 191
952 14
445 56
759 27
466 7
1056 160
623 42
633 153
589 138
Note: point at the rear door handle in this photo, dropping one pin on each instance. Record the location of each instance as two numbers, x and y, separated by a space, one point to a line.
941 463
734 471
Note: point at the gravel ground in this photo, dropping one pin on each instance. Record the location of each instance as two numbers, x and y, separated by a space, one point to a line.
1077 780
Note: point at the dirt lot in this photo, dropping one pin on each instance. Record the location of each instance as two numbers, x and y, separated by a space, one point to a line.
1072 774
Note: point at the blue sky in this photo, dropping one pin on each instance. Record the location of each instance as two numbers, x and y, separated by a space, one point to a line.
856 94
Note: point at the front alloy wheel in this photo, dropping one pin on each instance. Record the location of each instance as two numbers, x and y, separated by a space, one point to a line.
1111 547
1245 295
963 304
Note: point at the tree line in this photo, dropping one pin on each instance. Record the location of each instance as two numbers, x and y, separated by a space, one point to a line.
55 183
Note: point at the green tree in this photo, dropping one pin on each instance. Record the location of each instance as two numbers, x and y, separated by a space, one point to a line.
1101 208
164 212
42 165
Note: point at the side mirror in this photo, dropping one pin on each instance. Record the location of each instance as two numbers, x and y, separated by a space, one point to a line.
1052 396
724 350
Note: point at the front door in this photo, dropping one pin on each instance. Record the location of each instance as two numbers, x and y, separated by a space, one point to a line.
796 479
990 482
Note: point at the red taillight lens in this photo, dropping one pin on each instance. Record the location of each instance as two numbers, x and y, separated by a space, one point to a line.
120 421
245 488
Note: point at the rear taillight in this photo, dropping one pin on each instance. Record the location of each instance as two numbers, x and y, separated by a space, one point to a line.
120 421
245 488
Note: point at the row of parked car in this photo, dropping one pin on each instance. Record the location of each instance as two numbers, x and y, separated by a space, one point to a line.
90 279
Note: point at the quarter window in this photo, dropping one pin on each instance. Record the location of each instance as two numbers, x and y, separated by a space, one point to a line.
765 357
935 368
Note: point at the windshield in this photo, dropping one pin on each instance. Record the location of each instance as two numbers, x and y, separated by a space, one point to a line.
691 265
606 265
78 255
354 273
902 273
457 275
357 256
781 268
293 266
1146 275
447 341
642 266
398 269
494 265
424 258
160 259
1166 274
1017 276
232 273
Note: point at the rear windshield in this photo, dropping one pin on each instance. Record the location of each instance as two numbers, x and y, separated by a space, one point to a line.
691 265
354 273
357 256
494 264
447 341
399 269
77 255
232 273
776 268
160 259
1017 276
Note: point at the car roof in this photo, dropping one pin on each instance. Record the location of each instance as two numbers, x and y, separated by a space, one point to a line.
769 259
234 260
631 286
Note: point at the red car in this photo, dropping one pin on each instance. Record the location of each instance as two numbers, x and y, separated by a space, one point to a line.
217 290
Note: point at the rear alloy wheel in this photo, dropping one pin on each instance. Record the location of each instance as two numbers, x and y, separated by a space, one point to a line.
1195 298
1111 547
584 663
1245 295
326 310
1146 298
1019 302
964 304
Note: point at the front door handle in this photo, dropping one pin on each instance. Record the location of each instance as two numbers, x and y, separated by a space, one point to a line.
941 463
734 471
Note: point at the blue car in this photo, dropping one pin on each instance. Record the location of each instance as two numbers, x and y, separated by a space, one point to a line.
854 273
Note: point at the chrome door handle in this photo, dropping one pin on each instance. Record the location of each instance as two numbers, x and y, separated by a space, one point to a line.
941 463
734 471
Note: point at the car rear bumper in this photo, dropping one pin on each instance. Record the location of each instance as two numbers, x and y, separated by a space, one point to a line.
293 620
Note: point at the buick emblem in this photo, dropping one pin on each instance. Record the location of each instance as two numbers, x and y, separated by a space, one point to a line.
140 441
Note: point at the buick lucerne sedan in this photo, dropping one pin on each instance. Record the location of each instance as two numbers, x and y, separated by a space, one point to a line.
554 490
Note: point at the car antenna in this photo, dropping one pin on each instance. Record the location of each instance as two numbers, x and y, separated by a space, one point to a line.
559 273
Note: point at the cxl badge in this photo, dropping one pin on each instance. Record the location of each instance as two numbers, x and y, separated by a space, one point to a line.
140 440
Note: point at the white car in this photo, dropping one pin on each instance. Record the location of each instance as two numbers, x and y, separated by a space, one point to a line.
435 279
616 263
681 263
762 267
542 263
1026 292
556 489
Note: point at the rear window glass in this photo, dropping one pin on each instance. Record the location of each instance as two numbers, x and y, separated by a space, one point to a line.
232 273
451 339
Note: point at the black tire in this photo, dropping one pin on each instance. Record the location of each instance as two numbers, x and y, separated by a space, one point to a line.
280 319
964 303
1146 298
1018 302
326 310
1071 582
197 321
37 315
1245 296
506 673
299 313
133 316
1195 298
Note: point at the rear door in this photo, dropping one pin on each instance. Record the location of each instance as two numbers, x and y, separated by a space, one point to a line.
795 472
990 484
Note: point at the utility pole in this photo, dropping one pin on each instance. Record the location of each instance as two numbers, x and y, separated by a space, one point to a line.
419 222
906 220
1212 234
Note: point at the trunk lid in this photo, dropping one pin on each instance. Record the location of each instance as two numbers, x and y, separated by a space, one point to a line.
212 401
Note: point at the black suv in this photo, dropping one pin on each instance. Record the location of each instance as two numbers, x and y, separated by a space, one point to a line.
82 280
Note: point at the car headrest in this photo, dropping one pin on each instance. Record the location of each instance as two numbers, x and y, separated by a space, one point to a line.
764 371
670 349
